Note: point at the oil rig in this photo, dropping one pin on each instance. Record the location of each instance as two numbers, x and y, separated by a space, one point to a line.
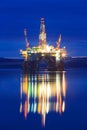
43 56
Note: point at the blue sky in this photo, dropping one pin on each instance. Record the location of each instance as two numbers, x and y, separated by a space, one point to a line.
68 17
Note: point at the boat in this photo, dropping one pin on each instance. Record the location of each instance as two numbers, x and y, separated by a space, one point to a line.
43 56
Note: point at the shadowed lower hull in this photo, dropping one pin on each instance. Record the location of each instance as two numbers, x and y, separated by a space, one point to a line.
47 63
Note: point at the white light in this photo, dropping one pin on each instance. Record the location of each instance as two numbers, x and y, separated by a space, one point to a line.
48 48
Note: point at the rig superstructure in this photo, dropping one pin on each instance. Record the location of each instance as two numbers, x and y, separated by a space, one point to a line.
43 55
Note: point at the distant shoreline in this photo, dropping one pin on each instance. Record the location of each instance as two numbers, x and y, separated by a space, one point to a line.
75 62
11 63
69 62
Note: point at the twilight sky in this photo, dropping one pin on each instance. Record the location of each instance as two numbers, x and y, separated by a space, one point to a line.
68 17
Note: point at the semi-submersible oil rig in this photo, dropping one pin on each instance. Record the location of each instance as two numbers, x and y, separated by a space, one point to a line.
43 56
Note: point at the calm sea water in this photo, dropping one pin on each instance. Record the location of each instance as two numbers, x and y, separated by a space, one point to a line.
43 100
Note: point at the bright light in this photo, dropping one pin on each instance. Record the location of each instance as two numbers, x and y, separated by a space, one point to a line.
57 56
20 50
48 48
63 54
63 106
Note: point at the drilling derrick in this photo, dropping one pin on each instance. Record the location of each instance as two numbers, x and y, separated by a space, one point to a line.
42 36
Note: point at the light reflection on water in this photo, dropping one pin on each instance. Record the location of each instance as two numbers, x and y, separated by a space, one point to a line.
72 90
42 93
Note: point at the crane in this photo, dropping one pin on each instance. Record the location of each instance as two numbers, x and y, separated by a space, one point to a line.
26 39
58 42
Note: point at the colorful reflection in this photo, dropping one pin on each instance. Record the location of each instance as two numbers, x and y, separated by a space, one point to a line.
42 93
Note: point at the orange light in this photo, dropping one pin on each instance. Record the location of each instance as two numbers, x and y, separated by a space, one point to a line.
63 54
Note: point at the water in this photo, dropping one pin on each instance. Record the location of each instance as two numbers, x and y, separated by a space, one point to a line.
43 100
